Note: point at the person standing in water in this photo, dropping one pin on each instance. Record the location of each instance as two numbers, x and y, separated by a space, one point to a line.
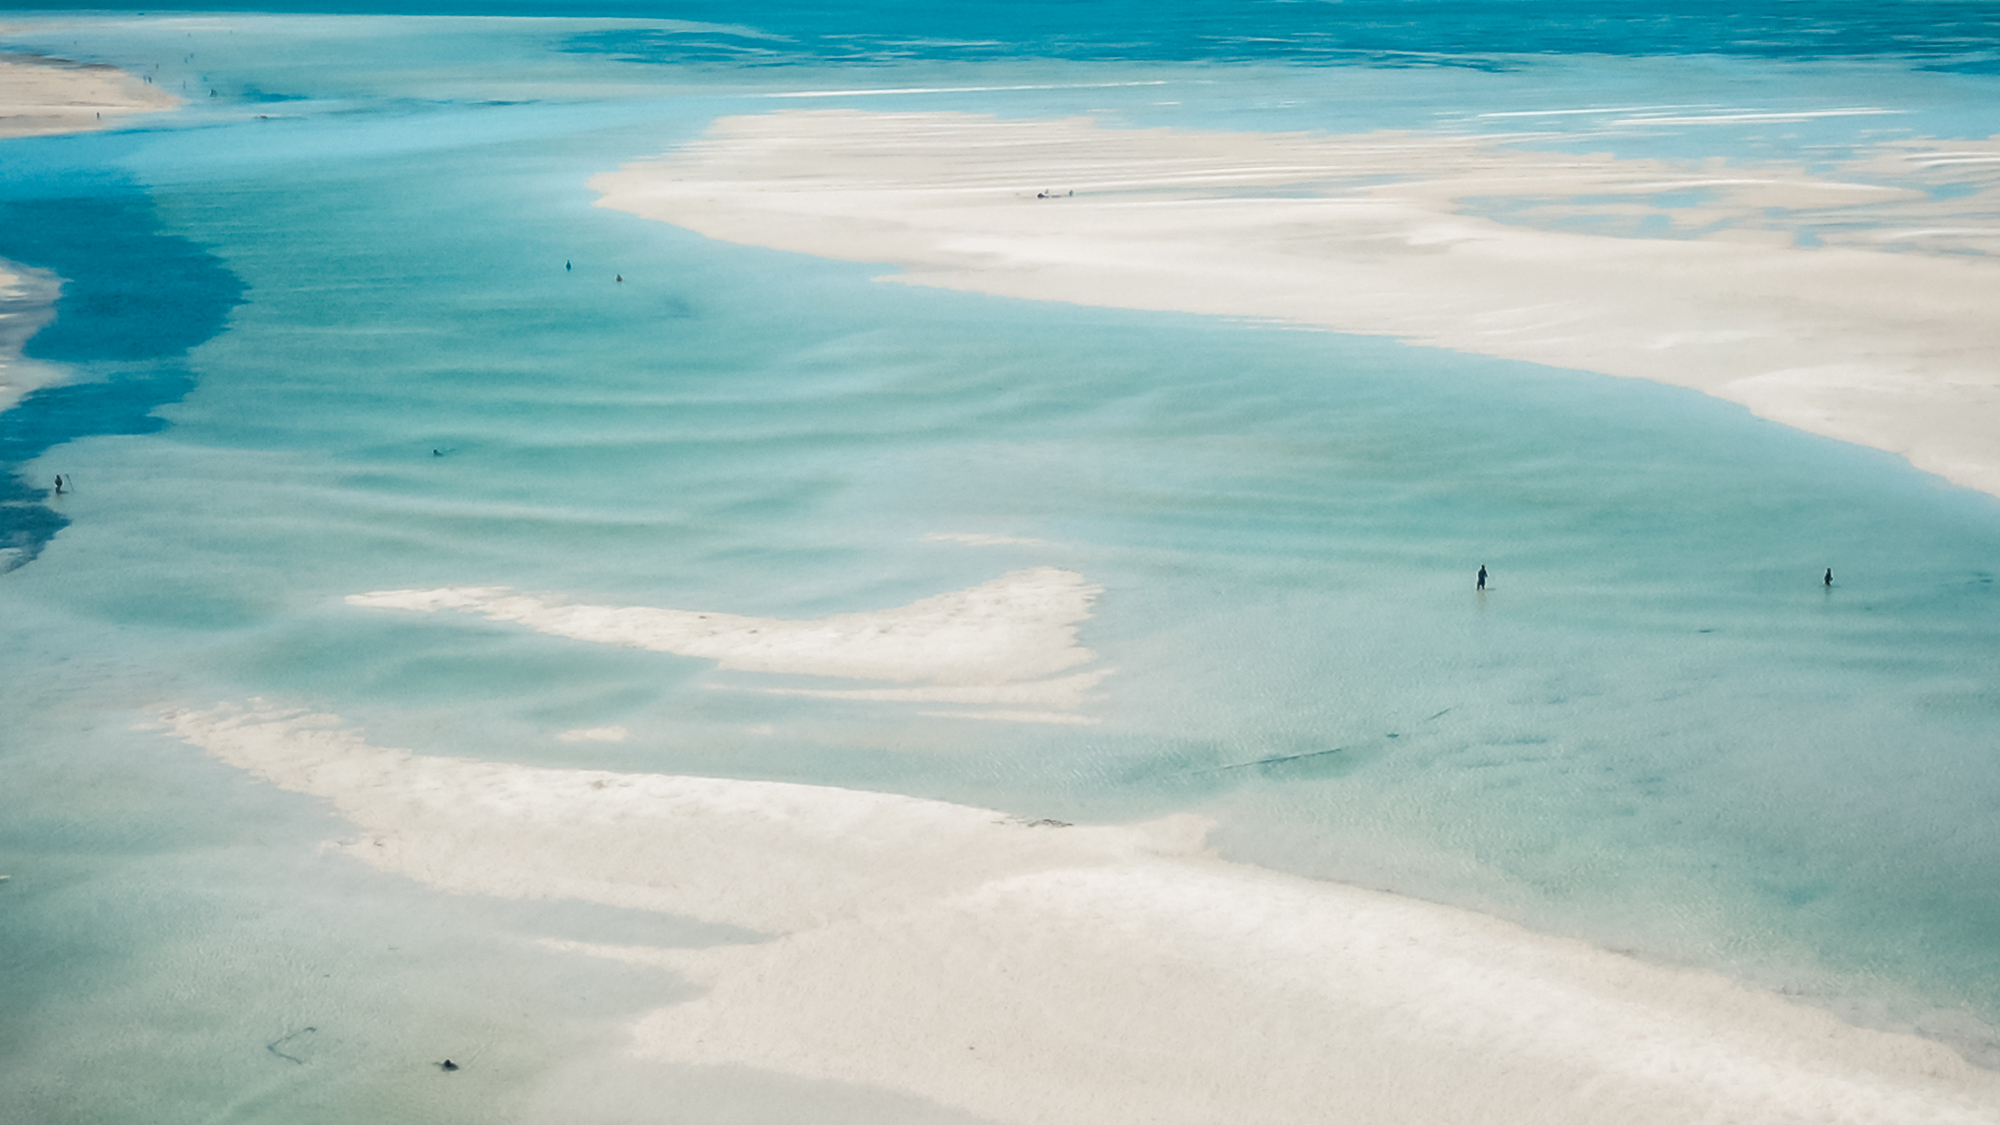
1482 578
1829 577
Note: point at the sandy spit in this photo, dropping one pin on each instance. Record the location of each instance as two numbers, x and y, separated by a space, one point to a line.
1883 337
41 95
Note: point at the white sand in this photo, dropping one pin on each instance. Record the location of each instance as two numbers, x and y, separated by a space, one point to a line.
41 96
995 643
1883 337
27 302
1037 973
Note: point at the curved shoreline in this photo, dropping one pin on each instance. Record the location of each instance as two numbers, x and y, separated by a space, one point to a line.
1367 234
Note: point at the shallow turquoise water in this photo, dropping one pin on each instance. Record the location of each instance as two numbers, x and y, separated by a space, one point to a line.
1657 731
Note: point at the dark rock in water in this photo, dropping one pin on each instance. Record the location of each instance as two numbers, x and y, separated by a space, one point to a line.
447 1065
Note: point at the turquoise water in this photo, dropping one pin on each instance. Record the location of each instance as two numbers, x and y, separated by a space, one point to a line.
1656 731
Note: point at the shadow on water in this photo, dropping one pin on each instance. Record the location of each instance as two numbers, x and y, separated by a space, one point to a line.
133 302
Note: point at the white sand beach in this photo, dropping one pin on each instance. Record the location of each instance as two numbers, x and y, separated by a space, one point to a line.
1028 971
1882 335
40 96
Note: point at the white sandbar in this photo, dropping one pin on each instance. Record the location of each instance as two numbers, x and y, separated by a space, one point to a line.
996 643
27 302
40 96
1883 337
1030 972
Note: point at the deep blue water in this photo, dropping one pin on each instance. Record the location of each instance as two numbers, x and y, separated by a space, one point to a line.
1952 34
134 302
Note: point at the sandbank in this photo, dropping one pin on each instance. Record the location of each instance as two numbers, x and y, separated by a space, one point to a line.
27 302
1030 972
1857 304
1002 642
40 96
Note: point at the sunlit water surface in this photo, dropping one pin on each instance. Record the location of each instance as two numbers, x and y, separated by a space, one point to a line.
1656 730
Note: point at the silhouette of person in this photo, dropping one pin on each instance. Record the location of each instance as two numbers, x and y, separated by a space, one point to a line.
1482 577
620 277
1829 576
565 265
58 484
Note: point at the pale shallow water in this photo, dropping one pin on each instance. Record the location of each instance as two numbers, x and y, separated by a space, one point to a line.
1656 731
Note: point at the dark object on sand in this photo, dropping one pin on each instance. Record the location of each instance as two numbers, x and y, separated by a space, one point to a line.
1482 578
1829 576
447 1065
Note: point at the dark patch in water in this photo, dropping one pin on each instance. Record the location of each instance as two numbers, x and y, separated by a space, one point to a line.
1279 760
130 292
133 302
275 1044
253 94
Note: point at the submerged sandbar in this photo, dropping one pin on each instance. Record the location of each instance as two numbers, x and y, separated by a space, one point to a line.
1883 339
